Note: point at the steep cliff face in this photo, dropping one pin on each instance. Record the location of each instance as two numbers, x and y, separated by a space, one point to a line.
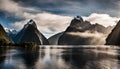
4 38
114 37
30 33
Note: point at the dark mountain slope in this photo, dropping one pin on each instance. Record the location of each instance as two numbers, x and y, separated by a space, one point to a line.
30 33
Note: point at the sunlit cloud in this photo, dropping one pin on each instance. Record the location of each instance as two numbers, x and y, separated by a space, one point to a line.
103 19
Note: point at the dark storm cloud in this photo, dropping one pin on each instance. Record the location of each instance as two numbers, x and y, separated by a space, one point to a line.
74 7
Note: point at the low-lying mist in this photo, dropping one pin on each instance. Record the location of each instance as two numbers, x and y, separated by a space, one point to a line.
90 37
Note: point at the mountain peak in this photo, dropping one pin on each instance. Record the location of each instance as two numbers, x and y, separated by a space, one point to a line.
76 22
78 18
30 33
31 23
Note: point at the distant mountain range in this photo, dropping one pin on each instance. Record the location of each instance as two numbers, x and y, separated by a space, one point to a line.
79 32
11 33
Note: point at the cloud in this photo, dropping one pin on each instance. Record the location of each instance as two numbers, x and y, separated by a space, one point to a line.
90 38
9 6
52 23
14 8
103 19
46 22
75 7
64 7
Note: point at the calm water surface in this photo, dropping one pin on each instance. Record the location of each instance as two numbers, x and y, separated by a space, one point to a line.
60 57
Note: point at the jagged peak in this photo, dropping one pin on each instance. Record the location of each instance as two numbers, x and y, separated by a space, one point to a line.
76 22
31 22
78 18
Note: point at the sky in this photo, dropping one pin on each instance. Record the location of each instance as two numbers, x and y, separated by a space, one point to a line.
53 16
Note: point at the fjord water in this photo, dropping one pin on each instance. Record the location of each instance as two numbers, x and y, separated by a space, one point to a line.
60 57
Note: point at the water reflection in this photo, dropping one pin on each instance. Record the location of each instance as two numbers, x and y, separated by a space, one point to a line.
60 57
92 59
30 57
2 58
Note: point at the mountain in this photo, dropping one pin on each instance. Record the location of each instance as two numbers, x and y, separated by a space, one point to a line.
114 37
11 33
78 25
81 32
76 33
30 33
4 38
97 27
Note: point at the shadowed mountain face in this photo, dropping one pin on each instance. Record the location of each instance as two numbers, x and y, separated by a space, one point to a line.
114 37
83 33
30 33
4 38
53 40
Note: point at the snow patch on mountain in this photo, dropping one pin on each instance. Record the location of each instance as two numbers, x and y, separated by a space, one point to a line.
13 31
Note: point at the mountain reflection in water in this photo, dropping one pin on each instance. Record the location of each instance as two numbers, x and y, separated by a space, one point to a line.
60 57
